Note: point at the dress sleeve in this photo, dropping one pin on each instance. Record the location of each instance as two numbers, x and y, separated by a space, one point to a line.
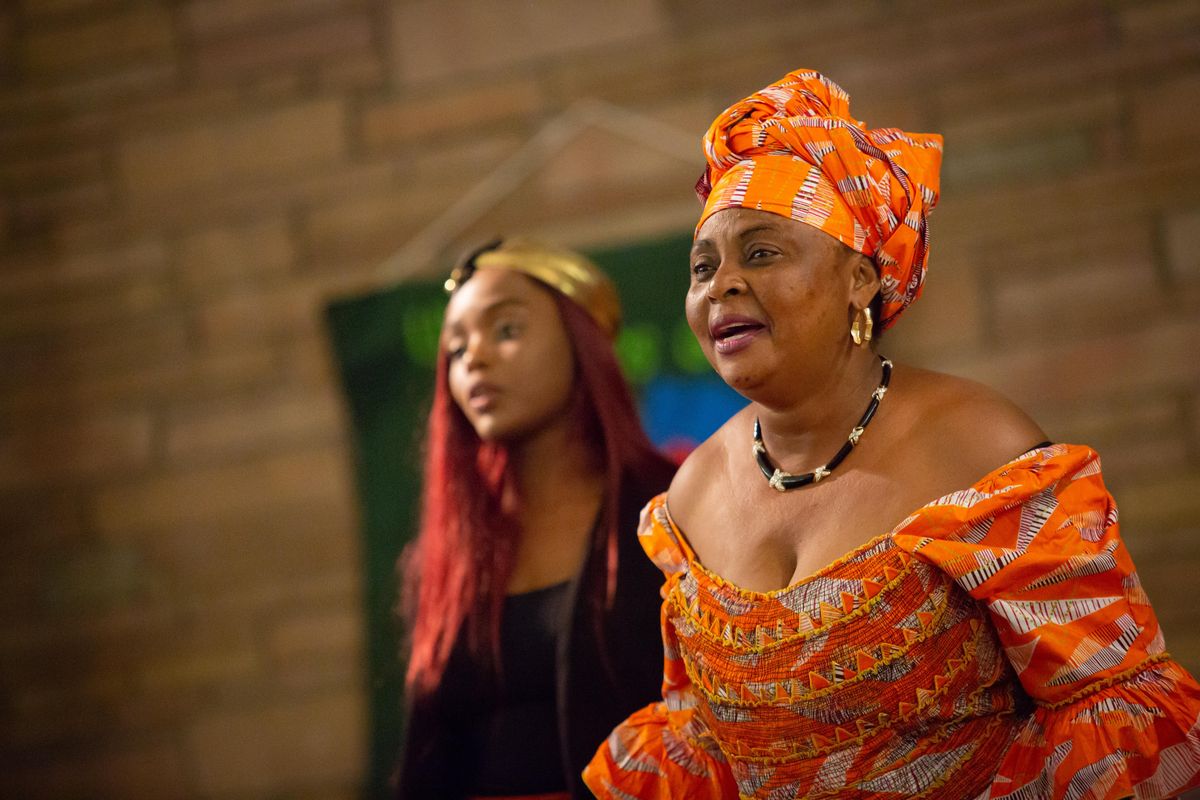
1037 542
664 750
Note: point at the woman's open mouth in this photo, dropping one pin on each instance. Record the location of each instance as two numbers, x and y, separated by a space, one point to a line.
482 397
733 333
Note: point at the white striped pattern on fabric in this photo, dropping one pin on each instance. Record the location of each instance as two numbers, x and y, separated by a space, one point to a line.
1026 615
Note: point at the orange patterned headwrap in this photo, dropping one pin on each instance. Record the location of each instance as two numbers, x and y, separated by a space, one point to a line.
793 149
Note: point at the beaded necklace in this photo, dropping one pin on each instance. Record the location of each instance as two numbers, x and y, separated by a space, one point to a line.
782 481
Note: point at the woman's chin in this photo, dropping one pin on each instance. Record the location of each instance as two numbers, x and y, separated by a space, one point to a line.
742 380
487 429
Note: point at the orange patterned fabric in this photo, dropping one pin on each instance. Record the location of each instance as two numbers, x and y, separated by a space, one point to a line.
793 149
996 644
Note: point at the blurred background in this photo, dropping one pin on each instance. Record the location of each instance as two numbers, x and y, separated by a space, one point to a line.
187 186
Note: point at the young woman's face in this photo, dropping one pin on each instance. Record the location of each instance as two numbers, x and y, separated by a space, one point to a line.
770 299
510 361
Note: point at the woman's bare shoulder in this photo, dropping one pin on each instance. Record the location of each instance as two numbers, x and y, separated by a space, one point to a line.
981 427
705 467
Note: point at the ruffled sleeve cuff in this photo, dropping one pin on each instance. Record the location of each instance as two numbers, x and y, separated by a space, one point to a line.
1137 735
658 754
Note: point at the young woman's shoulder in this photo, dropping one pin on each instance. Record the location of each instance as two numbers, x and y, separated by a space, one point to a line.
973 425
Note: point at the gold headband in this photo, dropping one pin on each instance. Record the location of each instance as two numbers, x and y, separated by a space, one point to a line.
562 270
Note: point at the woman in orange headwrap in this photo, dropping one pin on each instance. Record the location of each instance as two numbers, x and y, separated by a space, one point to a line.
831 631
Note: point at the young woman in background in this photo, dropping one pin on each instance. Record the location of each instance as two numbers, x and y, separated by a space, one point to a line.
534 616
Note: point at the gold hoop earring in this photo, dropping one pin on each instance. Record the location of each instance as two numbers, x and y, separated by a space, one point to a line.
860 330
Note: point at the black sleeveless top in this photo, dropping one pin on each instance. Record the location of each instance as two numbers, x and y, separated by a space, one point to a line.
586 681
506 721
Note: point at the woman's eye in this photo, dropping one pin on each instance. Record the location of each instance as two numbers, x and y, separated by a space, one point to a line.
508 330
701 268
455 351
760 252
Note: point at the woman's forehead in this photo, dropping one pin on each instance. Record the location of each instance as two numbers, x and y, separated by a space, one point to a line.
734 223
491 290
732 226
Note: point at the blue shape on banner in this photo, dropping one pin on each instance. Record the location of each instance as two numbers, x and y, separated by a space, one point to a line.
680 412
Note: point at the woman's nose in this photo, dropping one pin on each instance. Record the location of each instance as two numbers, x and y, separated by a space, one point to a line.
727 281
475 352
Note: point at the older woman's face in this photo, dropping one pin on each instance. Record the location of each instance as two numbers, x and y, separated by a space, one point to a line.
510 360
770 299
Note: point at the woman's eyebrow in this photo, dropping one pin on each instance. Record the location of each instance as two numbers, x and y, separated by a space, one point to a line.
757 229
702 243
502 303
454 326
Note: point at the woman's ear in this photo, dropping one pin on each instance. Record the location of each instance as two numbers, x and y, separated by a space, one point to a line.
864 280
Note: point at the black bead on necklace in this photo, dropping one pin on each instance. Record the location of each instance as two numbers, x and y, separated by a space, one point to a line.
782 481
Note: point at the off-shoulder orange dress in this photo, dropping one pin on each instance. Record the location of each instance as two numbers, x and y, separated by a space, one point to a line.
995 644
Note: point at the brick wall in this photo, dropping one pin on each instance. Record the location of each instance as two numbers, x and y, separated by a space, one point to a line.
184 183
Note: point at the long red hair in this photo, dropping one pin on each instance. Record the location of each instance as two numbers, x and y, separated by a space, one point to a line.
456 573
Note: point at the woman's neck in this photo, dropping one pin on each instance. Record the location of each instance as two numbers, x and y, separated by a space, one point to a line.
803 433
556 463
561 488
